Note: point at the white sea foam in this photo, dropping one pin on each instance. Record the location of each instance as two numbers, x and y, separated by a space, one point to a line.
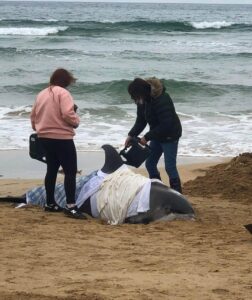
216 24
6 112
203 135
33 31
218 135
43 20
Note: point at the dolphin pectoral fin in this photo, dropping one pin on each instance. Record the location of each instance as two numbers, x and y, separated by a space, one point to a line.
149 216
141 218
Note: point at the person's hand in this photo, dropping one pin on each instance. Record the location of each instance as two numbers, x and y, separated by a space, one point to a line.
75 107
143 141
127 141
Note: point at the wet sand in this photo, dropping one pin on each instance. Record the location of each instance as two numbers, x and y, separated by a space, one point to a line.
18 164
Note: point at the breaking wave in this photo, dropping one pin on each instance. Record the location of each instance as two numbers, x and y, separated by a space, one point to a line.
82 28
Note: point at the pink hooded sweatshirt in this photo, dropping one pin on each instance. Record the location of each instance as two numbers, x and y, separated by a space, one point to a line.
53 114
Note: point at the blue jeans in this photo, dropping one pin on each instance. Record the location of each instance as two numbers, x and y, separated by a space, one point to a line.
170 158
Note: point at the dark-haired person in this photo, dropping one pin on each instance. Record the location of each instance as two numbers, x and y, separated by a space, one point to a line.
155 107
54 118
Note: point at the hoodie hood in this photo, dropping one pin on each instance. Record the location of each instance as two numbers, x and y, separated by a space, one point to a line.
157 87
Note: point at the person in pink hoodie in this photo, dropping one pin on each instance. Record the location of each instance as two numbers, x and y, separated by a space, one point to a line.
54 118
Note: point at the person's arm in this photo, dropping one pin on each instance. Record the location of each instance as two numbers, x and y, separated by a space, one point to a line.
32 117
67 109
140 122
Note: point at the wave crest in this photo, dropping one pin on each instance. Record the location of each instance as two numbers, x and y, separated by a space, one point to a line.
31 30
90 28
115 92
216 24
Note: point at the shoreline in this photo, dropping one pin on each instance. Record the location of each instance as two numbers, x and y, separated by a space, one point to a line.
21 173
17 164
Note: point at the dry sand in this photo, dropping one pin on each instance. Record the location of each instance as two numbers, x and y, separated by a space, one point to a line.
49 256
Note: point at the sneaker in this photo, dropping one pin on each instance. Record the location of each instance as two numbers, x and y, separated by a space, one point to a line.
73 212
53 208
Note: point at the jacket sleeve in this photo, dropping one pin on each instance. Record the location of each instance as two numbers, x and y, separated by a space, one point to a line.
165 112
67 110
140 122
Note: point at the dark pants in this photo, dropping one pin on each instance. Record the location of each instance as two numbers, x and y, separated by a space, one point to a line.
60 153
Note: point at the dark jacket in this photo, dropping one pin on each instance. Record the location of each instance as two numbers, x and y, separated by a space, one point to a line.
160 114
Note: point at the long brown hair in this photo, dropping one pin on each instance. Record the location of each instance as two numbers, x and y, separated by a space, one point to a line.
62 78
139 88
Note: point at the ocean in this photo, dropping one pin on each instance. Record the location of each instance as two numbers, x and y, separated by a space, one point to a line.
202 53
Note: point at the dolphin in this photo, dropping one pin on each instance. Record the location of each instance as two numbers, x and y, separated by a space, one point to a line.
165 203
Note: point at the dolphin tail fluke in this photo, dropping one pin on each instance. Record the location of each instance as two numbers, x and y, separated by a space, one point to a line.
11 199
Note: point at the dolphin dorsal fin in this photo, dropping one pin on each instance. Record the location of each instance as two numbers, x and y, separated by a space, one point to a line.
113 160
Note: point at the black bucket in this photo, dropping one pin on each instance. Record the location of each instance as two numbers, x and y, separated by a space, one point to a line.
136 153
36 149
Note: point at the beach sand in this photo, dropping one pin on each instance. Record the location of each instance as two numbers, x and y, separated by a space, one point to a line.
50 256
